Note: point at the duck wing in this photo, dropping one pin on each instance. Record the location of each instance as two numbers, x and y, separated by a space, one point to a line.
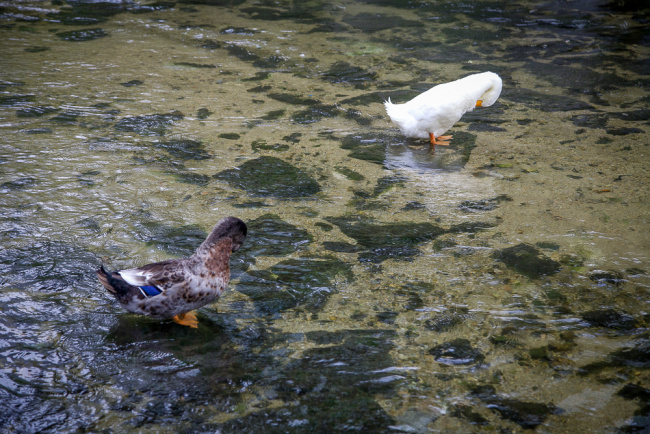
154 278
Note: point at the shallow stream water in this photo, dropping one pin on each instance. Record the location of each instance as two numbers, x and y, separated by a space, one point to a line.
499 284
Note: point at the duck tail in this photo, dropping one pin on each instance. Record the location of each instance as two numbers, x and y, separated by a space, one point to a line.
399 115
116 285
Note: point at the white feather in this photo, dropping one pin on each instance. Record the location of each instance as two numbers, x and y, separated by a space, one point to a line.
135 277
439 108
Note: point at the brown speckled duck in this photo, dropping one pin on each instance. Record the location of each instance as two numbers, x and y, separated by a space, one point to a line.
173 288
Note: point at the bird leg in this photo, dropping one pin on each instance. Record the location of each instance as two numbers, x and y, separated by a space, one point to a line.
187 319
441 140
479 103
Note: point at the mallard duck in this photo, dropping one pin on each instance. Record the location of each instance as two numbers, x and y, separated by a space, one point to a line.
173 288
432 113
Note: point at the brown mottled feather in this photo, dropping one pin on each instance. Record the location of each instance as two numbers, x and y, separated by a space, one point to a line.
184 284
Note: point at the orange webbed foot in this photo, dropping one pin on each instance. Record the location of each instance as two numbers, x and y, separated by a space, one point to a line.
440 141
187 319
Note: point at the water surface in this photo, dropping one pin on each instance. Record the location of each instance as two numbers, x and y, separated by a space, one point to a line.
498 284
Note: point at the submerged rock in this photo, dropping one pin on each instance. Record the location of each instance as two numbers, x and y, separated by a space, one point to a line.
15 100
485 204
367 146
637 356
526 414
184 149
326 389
19 183
371 22
82 35
376 235
528 260
132 83
546 102
343 72
445 321
399 240
33 112
191 178
315 113
270 177
288 98
261 145
179 241
305 282
641 420
456 352
149 125
467 413
611 276
269 235
609 318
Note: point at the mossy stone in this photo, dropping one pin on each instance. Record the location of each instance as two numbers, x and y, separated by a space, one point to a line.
343 72
609 318
270 177
82 35
374 235
366 146
148 125
184 149
315 113
528 260
269 235
180 241
33 112
306 281
372 22
484 204
456 352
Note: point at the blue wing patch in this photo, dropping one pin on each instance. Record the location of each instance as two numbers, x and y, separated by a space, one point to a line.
150 291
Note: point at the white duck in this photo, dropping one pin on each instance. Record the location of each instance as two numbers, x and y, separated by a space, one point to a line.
433 112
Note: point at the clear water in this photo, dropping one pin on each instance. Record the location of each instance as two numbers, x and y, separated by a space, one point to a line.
498 284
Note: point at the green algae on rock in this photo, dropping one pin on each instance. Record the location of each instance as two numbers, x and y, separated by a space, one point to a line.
269 235
528 260
148 125
270 177
180 241
37 111
306 282
456 352
82 35
184 149
365 146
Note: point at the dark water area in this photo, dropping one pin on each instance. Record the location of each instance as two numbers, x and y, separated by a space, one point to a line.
498 284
